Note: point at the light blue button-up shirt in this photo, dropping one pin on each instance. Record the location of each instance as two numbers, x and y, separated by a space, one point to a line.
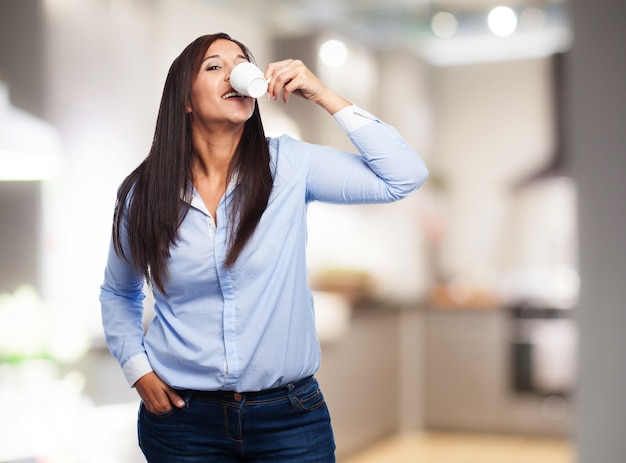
251 327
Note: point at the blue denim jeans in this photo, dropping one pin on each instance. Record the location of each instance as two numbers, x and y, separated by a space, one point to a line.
290 424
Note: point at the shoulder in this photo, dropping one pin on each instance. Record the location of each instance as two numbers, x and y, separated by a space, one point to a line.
285 142
285 149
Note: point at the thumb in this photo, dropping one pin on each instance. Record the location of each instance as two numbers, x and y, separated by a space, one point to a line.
175 398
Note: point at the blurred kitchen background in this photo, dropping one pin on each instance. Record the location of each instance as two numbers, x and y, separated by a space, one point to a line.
488 303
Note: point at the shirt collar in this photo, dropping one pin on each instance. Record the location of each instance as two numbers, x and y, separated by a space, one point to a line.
192 197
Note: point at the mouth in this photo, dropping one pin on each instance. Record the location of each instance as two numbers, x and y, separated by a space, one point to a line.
232 94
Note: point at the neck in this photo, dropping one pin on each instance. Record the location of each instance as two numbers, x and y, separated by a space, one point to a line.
214 151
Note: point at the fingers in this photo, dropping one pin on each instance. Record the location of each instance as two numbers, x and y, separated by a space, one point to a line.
157 396
279 74
289 77
175 398
272 73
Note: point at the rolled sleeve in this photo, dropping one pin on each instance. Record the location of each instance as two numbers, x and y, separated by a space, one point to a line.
135 368
352 118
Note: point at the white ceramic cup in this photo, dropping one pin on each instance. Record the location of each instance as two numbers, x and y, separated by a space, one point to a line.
247 79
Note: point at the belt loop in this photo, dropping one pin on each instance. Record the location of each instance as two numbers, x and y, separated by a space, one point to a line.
186 396
292 400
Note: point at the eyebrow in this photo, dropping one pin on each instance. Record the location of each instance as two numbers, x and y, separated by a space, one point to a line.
219 56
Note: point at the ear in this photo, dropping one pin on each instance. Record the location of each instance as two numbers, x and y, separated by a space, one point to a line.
187 108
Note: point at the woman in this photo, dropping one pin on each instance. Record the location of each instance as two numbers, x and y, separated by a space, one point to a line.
214 219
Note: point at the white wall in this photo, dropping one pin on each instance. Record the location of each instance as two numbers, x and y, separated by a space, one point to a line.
493 128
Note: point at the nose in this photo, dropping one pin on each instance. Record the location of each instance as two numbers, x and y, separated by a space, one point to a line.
229 70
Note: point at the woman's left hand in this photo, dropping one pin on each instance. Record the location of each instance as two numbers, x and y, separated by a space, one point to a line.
293 77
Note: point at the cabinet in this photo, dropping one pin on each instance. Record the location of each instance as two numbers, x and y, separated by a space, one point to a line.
467 378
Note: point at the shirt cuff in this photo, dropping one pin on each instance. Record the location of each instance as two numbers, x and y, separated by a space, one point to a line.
352 118
136 367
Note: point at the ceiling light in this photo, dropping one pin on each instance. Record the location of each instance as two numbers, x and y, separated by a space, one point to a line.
29 146
333 53
502 21
23 166
444 25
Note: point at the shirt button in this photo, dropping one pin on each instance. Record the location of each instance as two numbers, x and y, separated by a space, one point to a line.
238 397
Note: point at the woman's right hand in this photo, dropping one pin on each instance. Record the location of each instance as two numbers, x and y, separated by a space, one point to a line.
292 77
157 396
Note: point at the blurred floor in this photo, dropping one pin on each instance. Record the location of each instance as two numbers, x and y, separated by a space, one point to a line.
439 447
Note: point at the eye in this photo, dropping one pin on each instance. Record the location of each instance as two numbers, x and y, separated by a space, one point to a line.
213 67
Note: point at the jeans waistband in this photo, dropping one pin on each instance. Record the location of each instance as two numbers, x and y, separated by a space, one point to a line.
256 395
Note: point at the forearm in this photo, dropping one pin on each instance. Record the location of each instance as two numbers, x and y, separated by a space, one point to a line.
332 102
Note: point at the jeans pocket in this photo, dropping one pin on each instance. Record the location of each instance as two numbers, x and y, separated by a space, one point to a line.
186 396
157 416
308 398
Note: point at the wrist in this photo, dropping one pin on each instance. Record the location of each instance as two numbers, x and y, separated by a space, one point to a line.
332 102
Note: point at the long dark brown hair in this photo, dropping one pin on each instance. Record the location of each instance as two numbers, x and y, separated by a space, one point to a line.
149 206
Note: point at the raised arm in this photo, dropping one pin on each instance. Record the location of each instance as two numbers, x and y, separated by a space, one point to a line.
387 169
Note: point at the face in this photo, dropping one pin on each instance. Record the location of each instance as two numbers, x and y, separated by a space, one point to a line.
213 100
